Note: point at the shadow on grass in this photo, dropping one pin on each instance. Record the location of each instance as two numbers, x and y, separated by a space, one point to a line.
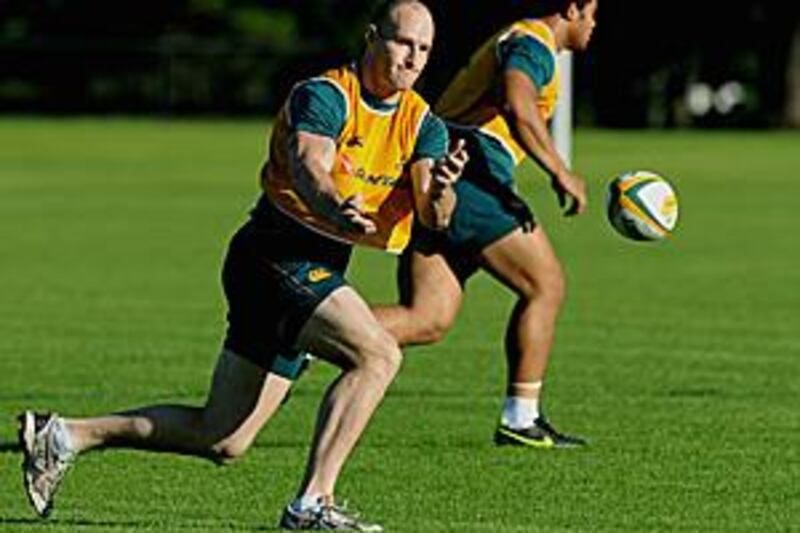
9 447
130 524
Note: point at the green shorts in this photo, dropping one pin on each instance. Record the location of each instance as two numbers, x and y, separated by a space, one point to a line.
290 366
275 275
481 217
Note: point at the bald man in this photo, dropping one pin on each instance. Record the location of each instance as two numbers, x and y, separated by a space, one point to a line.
355 156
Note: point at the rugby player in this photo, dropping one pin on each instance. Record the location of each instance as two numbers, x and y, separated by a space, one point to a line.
354 154
501 103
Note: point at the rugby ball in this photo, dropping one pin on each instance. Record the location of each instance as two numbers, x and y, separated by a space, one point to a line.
642 206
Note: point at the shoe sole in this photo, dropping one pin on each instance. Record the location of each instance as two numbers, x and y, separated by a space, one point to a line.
507 438
27 438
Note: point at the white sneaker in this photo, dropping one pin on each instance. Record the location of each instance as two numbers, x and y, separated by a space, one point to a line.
44 441
324 516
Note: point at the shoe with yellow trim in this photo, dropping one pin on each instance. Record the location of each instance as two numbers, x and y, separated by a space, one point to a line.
539 435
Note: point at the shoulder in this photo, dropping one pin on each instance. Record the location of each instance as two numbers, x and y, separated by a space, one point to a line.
324 87
433 138
530 52
319 105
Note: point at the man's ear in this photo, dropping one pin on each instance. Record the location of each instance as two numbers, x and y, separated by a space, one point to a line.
573 13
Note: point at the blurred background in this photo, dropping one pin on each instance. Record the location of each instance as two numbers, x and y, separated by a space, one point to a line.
652 64
679 361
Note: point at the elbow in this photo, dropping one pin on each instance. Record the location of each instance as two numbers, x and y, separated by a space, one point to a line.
518 118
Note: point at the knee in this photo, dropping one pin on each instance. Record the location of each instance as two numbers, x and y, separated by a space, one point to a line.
227 451
555 287
220 441
431 328
549 287
381 356
424 322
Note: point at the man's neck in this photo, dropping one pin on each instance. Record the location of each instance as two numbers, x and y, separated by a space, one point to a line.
558 25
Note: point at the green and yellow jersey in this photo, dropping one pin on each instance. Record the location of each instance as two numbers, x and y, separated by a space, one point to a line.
472 102
375 144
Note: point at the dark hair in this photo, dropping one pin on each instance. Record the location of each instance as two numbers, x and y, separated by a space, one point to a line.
542 8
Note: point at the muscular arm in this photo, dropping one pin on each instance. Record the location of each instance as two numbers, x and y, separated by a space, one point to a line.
530 131
312 158
527 124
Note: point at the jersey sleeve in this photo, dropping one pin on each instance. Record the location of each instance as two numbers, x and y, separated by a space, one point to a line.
318 106
433 139
529 55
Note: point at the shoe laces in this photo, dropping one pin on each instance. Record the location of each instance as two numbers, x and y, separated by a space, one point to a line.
49 451
338 513
337 516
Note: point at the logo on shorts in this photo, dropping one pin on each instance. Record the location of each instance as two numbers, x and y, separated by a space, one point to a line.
318 274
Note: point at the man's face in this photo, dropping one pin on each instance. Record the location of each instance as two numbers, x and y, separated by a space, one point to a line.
401 47
582 26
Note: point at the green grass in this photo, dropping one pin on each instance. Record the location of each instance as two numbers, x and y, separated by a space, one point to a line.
680 360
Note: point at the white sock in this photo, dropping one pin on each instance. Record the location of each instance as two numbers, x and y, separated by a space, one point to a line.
519 412
306 502
62 440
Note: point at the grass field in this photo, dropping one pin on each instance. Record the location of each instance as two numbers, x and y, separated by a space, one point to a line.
680 361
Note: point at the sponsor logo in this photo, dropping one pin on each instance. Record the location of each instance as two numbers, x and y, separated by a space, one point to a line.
382 180
318 274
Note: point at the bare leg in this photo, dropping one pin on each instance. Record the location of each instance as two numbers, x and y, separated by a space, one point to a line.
430 299
242 398
343 331
527 264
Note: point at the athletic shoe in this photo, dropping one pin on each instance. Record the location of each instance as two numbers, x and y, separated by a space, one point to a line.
324 516
539 435
43 438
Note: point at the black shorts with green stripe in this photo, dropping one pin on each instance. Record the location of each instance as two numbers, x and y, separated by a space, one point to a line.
275 274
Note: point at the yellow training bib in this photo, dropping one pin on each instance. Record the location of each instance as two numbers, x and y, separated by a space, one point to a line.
372 152
472 99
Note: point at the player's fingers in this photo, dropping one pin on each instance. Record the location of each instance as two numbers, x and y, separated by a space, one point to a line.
456 160
461 159
360 223
357 201
353 202
577 205
446 175
461 156
460 146
561 194
458 156
368 227
572 209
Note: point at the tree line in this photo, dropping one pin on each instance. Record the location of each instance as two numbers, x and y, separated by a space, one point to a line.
241 56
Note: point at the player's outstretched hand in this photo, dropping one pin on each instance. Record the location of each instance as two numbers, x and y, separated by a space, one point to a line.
570 188
447 170
354 217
